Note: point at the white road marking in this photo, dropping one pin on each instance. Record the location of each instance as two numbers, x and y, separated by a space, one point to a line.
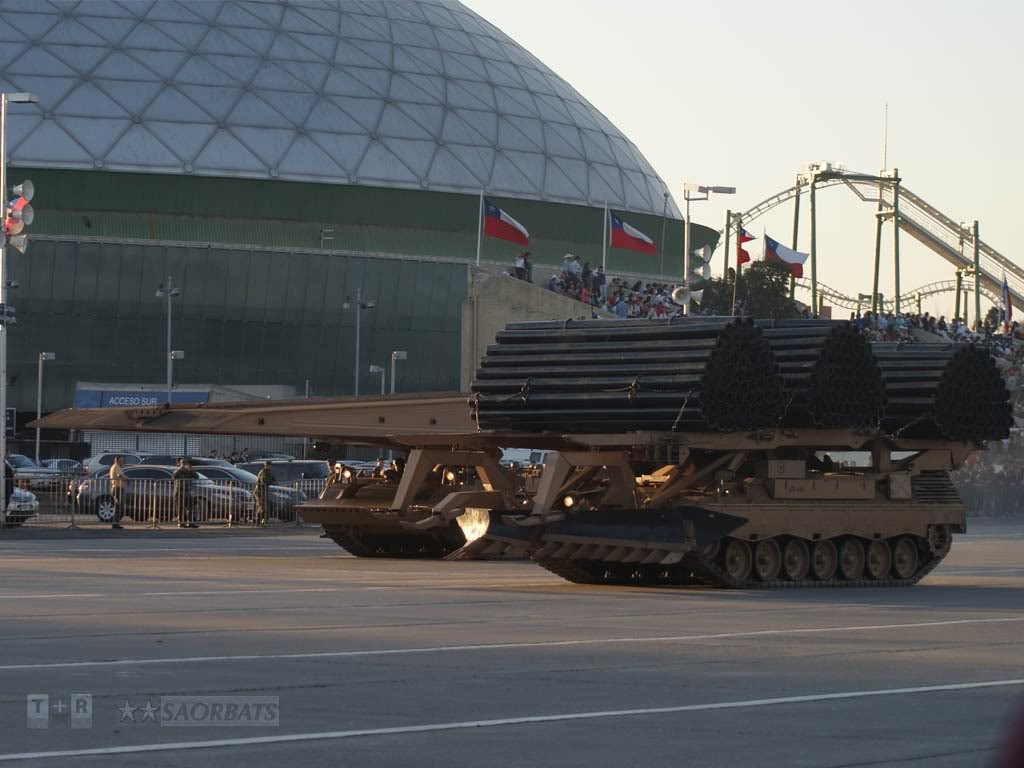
501 722
355 587
178 593
500 646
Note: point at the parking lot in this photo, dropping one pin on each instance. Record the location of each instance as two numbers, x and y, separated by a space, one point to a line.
385 662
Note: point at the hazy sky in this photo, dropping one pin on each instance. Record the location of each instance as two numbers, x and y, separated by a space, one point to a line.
744 93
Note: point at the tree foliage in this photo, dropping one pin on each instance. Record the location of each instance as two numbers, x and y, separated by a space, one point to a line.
762 292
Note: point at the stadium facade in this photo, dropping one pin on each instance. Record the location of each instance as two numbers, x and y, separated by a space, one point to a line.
276 158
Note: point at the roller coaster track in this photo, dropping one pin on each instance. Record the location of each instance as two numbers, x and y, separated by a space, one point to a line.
922 221
908 299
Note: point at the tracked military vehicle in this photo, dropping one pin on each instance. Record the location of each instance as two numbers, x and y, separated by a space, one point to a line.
707 450
738 454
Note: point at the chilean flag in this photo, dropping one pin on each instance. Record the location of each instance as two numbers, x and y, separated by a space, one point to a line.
775 252
499 224
742 256
630 238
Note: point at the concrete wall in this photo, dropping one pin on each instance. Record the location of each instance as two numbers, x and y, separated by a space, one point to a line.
496 300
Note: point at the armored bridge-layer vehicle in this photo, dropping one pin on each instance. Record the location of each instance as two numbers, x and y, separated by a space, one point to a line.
688 451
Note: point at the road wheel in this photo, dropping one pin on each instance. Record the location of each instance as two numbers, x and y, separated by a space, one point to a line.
824 560
105 509
738 560
767 560
879 560
851 559
796 560
940 539
904 558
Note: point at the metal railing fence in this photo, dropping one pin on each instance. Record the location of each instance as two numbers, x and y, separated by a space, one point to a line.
68 500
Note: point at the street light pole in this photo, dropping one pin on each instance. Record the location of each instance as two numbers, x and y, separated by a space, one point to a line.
396 355
359 307
706 191
169 293
661 243
5 99
43 357
170 361
379 369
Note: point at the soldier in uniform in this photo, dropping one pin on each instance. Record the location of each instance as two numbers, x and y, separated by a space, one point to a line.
264 480
182 493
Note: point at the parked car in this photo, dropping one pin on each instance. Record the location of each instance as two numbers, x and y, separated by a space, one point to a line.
305 474
104 460
167 460
65 466
281 499
23 506
28 473
270 456
149 489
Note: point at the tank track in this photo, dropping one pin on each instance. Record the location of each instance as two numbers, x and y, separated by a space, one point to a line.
436 544
618 574
704 569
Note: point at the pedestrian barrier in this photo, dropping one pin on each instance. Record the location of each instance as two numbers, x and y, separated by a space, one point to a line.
80 502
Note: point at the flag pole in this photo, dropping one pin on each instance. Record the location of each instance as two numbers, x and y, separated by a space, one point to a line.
604 240
479 227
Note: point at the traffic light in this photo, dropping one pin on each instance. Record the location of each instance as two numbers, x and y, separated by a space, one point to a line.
18 215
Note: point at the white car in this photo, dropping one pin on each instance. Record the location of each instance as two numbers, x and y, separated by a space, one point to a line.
64 466
27 472
24 505
104 460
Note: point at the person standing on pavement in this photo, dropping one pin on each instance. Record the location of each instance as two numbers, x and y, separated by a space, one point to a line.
264 480
8 483
182 495
117 490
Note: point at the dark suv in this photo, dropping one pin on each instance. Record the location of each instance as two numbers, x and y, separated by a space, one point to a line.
305 474
166 460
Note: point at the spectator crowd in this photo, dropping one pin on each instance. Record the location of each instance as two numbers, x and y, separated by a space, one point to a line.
578 280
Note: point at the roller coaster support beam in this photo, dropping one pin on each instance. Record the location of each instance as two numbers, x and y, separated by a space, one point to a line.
959 288
878 251
896 236
814 249
728 232
977 277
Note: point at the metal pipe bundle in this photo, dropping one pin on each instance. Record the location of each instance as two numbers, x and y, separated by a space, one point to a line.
831 377
911 373
943 390
595 376
721 374
972 402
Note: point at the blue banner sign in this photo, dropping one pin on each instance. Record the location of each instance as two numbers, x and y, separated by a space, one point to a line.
134 398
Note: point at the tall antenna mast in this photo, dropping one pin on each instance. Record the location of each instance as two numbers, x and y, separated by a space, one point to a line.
885 138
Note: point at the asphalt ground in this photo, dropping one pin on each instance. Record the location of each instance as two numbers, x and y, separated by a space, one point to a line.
395 663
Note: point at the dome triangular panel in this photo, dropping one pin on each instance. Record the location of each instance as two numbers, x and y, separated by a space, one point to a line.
172 105
383 165
185 140
306 158
225 152
139 145
49 143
